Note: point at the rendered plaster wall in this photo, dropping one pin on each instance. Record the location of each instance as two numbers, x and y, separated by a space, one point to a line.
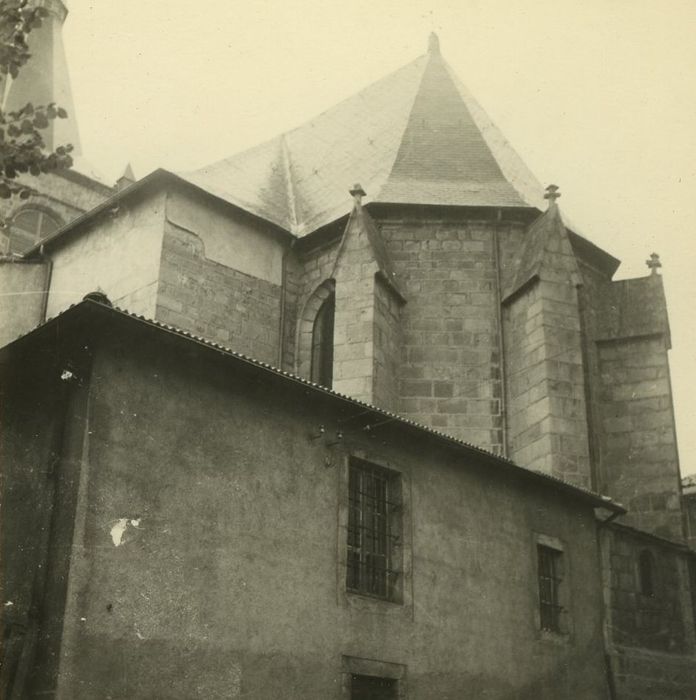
22 296
225 577
229 236
220 277
41 434
119 254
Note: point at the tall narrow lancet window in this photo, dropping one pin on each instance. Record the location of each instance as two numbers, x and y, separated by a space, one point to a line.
323 342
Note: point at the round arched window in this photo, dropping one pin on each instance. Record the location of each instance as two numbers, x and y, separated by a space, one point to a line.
29 226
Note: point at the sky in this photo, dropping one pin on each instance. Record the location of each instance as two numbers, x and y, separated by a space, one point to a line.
598 97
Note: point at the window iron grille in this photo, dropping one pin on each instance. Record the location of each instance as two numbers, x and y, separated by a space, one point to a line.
550 608
373 504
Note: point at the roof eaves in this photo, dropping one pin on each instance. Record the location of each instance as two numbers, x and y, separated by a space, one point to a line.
681 546
156 175
106 205
597 500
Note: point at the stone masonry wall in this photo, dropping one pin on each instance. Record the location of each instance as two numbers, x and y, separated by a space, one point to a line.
594 289
526 395
387 340
651 636
307 270
215 301
450 374
354 325
547 419
367 329
637 439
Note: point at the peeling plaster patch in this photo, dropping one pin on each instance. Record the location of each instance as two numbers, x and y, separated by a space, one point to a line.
67 375
118 530
9 603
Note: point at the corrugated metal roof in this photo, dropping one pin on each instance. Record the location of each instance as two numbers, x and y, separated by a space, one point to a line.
598 500
416 136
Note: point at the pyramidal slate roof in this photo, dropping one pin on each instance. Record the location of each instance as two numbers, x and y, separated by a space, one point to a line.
416 136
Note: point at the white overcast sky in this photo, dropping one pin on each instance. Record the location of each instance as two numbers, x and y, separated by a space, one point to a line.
597 96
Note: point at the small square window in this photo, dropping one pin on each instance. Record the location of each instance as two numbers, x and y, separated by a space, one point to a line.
550 570
373 688
374 529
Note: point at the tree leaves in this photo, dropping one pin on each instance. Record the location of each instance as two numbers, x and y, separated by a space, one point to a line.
22 148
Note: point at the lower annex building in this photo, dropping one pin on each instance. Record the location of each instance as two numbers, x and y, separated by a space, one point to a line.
265 439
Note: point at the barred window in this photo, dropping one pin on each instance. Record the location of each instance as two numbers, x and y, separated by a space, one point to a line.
374 523
550 576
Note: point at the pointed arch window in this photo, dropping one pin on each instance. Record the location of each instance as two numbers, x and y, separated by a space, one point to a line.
323 342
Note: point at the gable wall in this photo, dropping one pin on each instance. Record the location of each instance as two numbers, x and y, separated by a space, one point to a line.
118 252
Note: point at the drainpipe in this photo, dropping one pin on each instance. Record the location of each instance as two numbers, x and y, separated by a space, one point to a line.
47 284
47 513
605 611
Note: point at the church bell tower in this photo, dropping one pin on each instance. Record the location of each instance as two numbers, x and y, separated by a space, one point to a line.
45 78
61 196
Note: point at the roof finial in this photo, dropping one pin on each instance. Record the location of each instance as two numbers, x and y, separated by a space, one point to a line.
552 194
126 180
358 193
653 263
433 43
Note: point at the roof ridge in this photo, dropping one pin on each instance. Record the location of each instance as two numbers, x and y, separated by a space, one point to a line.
290 185
513 167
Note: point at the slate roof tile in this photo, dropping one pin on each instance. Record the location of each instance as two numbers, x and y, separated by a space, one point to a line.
415 136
